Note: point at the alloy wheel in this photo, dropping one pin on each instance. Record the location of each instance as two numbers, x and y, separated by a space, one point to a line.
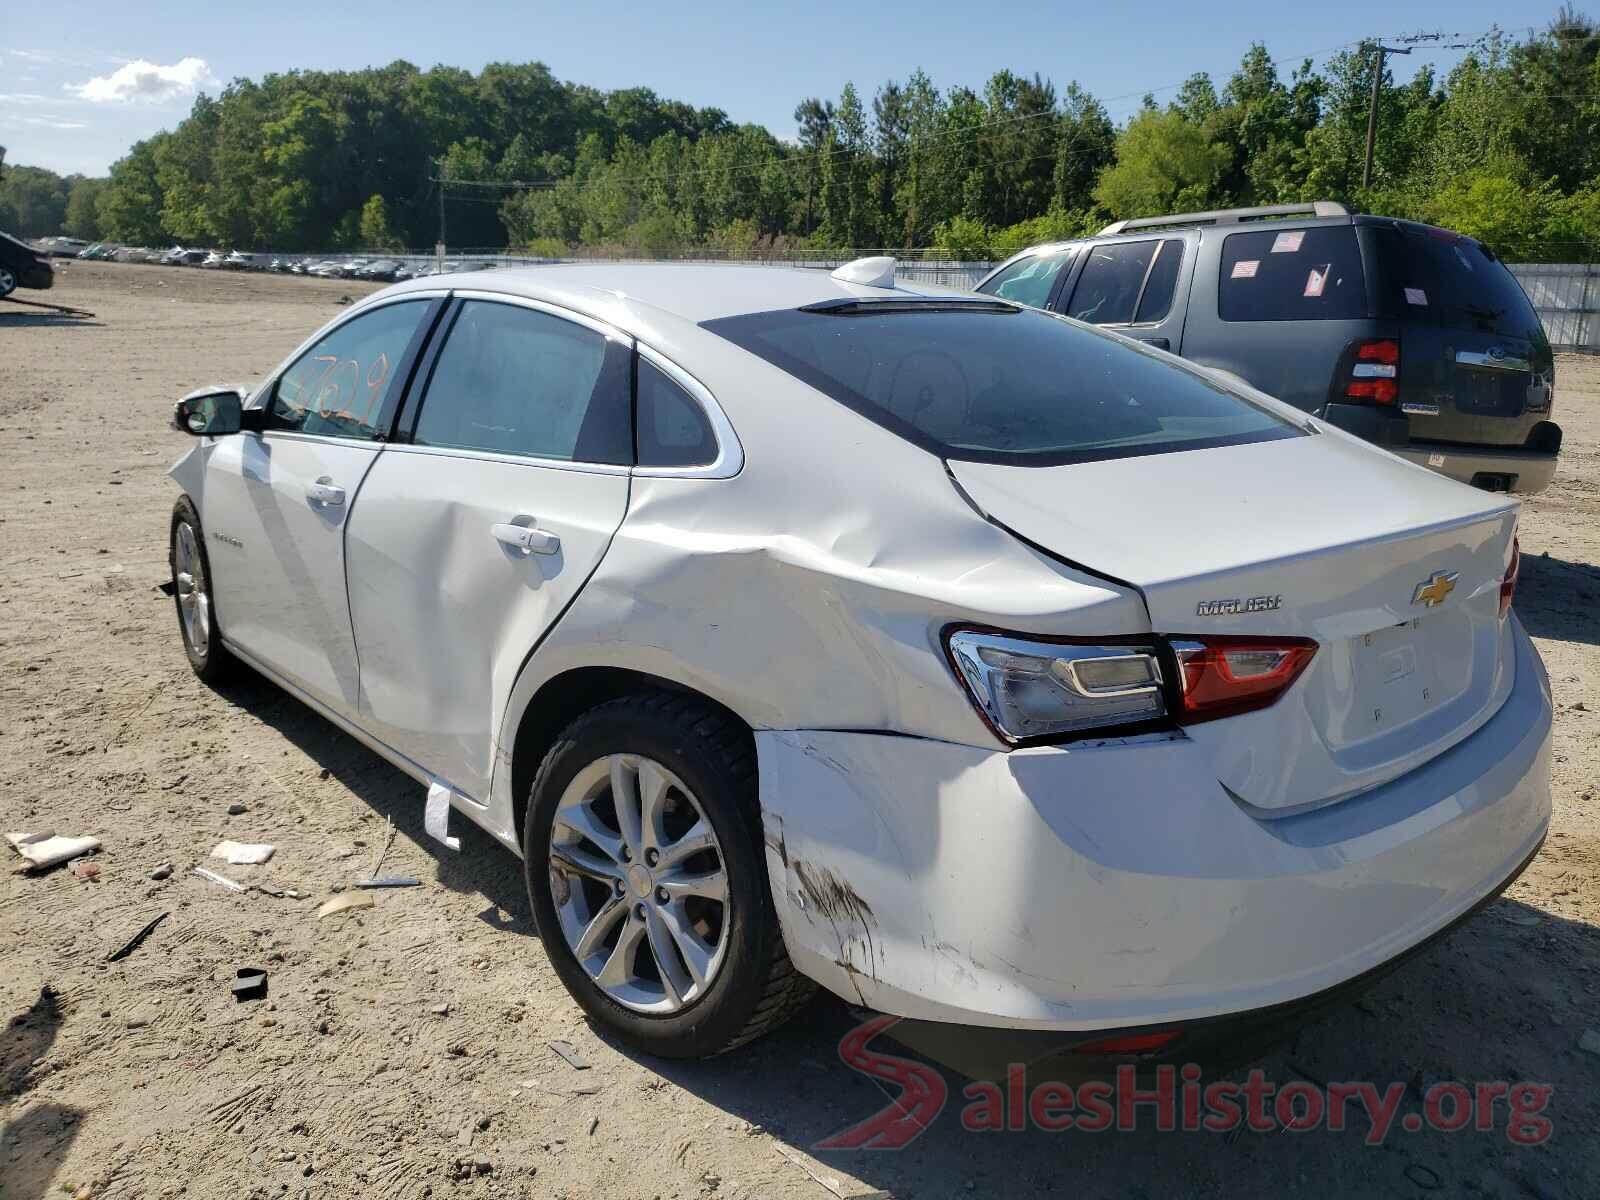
640 884
194 604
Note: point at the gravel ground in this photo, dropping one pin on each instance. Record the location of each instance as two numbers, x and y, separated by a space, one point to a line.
404 1051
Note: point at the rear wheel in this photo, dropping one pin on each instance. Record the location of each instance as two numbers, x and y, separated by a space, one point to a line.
191 593
647 877
8 281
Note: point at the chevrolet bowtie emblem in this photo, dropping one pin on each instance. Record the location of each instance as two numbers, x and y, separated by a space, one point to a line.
1434 589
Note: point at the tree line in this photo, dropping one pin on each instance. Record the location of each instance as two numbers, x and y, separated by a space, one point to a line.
1505 146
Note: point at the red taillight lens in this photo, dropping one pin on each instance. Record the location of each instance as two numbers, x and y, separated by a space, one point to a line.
1385 351
1138 1043
1508 582
1379 391
1222 676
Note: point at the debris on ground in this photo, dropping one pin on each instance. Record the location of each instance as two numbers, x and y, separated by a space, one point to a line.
84 868
343 902
1589 1043
132 944
162 871
250 983
41 851
843 1188
389 881
237 810
570 1052
244 854
204 873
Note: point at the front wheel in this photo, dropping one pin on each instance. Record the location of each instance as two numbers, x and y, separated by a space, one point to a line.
191 592
648 881
8 281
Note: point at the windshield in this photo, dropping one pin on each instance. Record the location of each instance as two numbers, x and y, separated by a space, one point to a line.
1004 385
1442 278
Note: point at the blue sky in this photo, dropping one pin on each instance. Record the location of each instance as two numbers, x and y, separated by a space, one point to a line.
79 82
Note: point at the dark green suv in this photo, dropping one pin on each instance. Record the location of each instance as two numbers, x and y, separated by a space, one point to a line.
1413 337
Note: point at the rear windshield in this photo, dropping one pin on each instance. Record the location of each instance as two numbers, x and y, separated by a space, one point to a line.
1002 385
1292 275
1445 279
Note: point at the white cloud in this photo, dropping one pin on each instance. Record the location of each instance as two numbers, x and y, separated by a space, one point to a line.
142 80
50 123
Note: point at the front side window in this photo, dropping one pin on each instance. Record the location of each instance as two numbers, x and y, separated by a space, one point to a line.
1028 281
1108 289
515 380
344 385
1292 275
991 384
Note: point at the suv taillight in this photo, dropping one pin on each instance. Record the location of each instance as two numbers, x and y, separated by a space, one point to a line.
1374 376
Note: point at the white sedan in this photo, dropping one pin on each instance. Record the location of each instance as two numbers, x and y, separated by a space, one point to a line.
982 667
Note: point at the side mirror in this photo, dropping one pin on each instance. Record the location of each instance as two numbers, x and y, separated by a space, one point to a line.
211 413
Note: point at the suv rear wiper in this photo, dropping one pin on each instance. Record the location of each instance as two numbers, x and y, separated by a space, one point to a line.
849 307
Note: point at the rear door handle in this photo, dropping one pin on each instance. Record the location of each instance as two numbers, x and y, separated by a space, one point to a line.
527 538
326 493
1160 343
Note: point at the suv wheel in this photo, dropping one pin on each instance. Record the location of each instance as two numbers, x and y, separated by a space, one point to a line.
648 881
8 281
191 593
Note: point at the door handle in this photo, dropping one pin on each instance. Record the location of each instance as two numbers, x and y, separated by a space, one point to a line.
326 493
528 539
1160 343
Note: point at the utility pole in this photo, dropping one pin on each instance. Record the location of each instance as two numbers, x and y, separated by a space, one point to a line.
438 250
1372 108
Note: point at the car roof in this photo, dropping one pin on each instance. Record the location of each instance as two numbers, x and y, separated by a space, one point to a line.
693 292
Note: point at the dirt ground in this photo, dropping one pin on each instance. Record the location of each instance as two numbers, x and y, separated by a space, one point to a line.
144 1078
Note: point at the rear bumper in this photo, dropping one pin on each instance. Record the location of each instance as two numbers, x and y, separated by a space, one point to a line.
1116 885
1532 470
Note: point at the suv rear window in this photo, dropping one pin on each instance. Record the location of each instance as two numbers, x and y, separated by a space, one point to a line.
1292 275
993 384
1443 278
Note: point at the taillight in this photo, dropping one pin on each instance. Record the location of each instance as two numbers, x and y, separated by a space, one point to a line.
1136 1043
1222 676
1508 581
1374 376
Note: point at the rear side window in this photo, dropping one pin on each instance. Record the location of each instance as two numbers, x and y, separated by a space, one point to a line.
1292 275
1442 278
991 384
1030 280
1107 292
672 427
514 380
1161 283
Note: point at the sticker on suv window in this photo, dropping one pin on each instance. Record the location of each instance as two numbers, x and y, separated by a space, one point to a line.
1316 280
1288 243
1246 268
1416 296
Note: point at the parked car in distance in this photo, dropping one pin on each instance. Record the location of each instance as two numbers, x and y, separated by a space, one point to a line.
796 628
240 260
1413 337
383 269
23 266
65 247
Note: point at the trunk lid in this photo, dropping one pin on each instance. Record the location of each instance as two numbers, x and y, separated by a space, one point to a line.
1318 536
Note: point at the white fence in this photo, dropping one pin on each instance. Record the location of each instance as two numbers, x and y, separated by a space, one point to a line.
1567 299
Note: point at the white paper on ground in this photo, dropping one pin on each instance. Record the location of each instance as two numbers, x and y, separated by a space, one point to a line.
436 817
243 854
40 850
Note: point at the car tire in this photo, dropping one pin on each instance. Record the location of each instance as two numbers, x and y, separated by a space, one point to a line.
192 598
751 986
8 281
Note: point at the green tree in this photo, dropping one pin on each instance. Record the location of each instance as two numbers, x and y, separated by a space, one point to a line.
82 219
376 232
1165 163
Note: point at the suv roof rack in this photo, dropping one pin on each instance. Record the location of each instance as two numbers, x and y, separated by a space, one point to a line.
1228 216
